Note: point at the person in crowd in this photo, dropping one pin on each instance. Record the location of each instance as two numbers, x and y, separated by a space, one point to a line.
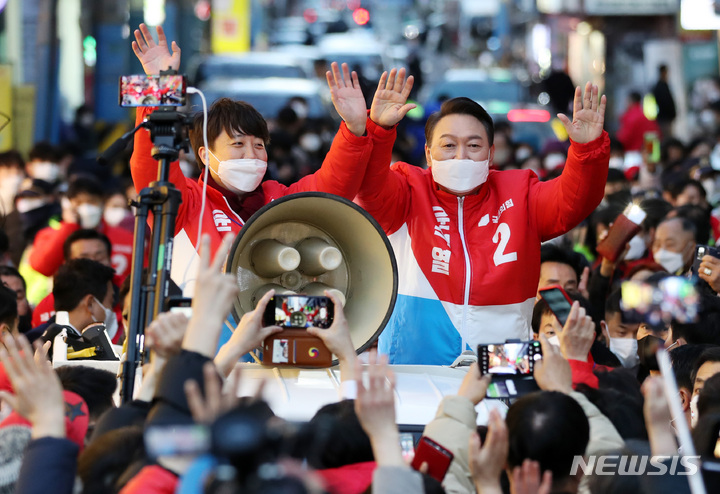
634 124
560 267
706 366
83 288
116 212
95 386
82 209
674 245
665 102
683 360
11 278
81 244
458 229
621 335
236 158
43 164
8 311
12 174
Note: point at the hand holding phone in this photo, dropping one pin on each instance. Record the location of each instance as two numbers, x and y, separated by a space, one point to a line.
294 346
436 456
511 366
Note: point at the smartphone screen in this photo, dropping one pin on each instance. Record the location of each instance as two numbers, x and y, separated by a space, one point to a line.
175 440
145 90
299 311
558 302
509 359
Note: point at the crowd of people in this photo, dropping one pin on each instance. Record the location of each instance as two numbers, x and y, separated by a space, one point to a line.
475 239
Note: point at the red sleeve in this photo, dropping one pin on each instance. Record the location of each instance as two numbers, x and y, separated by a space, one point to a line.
561 204
384 192
152 478
144 169
582 373
341 172
47 252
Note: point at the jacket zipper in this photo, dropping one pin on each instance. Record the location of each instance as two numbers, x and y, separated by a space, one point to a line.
468 272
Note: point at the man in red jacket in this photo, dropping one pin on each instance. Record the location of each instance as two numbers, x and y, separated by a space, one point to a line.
237 159
82 209
467 238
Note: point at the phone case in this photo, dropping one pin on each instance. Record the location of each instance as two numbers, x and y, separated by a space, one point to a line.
619 235
296 347
436 456
561 313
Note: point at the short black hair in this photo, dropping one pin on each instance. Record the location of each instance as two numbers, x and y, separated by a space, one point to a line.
85 234
656 210
230 116
78 278
84 184
12 159
103 463
710 355
635 96
612 303
709 399
540 309
699 217
683 359
686 224
548 427
11 271
460 106
8 306
44 151
553 253
340 439
95 386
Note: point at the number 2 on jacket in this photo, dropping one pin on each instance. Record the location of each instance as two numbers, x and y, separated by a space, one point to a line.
502 237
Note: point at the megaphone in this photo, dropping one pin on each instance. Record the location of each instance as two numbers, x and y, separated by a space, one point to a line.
308 242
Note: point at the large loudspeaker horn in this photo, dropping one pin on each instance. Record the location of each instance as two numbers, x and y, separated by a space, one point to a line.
340 246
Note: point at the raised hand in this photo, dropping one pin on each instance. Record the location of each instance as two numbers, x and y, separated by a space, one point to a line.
347 98
588 115
487 461
155 56
165 333
215 403
248 335
578 334
389 103
528 480
38 393
215 292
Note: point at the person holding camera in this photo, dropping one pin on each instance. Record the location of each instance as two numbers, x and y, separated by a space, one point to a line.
237 158
467 238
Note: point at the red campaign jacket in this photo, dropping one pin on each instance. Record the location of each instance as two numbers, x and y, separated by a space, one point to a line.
469 266
47 252
341 174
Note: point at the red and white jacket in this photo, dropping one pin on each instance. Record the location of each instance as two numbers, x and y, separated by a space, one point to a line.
469 266
341 174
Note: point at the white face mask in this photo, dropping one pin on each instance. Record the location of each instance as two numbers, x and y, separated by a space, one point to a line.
111 325
89 215
27 204
637 248
694 410
617 162
240 175
625 349
114 216
46 170
671 261
460 176
554 340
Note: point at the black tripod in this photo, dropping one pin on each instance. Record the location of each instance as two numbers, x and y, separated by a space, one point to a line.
169 134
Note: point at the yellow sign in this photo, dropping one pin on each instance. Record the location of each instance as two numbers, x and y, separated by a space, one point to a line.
6 108
230 26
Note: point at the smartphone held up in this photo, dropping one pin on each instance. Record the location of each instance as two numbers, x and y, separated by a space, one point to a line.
293 345
152 90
